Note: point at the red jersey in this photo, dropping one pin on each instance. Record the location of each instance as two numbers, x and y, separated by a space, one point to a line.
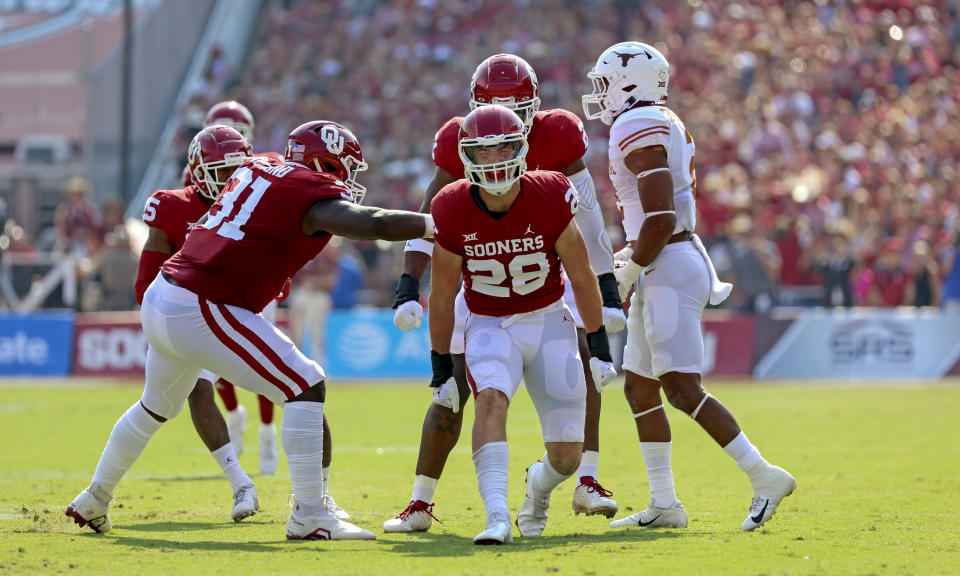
253 239
174 212
509 264
556 140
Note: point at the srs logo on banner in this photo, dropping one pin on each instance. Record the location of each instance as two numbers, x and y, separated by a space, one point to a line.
36 344
865 344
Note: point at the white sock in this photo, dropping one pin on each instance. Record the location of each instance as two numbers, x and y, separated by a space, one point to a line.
226 457
129 438
302 435
423 488
656 456
548 478
746 455
326 480
491 462
589 464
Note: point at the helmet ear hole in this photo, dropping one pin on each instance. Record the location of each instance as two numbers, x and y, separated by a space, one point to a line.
329 167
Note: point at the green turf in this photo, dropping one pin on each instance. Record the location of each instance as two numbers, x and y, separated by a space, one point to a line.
877 470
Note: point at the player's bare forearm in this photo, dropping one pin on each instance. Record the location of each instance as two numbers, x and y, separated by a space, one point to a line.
440 179
443 294
655 189
572 250
349 220
416 264
654 235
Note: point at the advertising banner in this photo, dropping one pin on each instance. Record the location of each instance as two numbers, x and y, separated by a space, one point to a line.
109 344
728 344
366 344
865 344
37 344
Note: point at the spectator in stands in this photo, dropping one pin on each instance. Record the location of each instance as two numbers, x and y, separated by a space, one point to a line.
832 261
925 288
76 220
755 262
890 279
951 285
310 303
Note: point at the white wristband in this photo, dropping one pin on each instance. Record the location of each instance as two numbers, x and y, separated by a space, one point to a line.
631 270
646 173
419 245
428 226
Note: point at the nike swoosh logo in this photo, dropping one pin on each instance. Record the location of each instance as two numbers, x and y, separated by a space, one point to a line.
759 517
642 523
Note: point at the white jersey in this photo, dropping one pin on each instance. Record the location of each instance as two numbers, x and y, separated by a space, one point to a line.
653 126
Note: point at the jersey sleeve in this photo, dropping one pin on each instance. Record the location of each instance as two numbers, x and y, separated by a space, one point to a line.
319 185
444 221
561 201
641 131
162 211
446 152
566 138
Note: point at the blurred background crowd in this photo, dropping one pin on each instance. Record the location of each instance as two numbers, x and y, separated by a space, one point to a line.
827 131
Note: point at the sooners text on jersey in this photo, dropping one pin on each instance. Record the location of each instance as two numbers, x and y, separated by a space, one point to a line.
556 140
253 239
510 265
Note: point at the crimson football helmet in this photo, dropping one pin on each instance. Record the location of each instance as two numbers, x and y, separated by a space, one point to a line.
509 81
233 114
493 126
326 146
214 154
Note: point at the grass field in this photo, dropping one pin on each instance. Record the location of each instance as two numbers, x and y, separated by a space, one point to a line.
878 471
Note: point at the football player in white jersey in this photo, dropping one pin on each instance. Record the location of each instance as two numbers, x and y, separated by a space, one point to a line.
652 169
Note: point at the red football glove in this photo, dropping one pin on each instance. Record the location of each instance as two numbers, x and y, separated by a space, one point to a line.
285 291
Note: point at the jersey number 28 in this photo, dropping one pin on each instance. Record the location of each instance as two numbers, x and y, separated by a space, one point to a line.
521 281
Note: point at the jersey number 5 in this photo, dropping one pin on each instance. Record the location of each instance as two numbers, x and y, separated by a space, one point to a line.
226 218
521 281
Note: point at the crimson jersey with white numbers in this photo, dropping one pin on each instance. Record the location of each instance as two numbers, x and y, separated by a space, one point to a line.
556 140
510 264
174 212
253 239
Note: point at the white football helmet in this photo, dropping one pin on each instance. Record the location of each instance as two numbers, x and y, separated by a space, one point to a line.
626 73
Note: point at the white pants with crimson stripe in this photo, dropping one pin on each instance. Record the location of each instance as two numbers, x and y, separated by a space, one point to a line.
188 334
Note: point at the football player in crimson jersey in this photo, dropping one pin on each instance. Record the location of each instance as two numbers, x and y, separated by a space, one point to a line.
202 311
235 115
214 154
652 170
507 231
556 142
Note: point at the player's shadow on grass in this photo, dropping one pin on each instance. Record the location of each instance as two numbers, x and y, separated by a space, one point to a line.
184 526
202 545
443 545
204 478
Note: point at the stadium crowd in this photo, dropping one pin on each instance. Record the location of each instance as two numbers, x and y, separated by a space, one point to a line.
827 131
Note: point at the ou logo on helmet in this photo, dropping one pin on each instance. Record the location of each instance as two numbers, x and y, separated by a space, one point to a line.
332 138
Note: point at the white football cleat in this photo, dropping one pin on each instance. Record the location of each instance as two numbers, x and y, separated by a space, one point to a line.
331 506
494 534
268 449
418 517
590 498
324 528
775 485
236 423
245 502
653 517
87 510
532 518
